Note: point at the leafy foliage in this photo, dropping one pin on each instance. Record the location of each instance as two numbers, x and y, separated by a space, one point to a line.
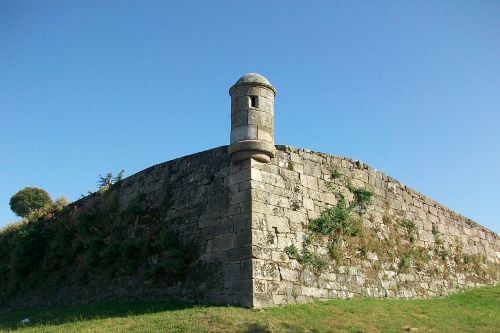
335 172
405 263
362 198
97 241
292 251
411 230
28 200
439 248
334 249
105 182
307 258
338 223
311 259
336 219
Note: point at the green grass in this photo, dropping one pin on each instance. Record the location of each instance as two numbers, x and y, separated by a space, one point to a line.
477 310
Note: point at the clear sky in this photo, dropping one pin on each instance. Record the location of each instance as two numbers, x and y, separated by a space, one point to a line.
411 88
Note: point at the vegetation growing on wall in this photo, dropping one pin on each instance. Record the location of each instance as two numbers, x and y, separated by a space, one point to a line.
439 249
337 223
96 241
391 245
307 258
106 181
31 203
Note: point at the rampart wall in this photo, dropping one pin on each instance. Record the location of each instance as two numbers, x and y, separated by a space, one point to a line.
179 229
248 233
408 246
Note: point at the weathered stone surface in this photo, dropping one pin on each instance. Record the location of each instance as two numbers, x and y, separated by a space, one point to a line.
304 179
206 208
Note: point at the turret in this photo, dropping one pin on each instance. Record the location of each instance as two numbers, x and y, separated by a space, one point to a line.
252 119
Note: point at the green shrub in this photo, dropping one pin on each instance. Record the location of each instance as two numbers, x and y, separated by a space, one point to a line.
105 182
334 250
312 260
60 203
336 218
411 230
439 248
131 254
29 248
307 258
467 259
335 172
338 224
405 263
111 252
292 251
97 240
436 233
28 200
135 206
362 198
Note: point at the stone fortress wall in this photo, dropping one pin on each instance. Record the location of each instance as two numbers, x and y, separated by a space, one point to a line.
243 216
201 190
268 225
197 198
326 227
447 251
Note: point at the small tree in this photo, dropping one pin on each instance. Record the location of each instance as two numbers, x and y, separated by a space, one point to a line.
29 199
104 183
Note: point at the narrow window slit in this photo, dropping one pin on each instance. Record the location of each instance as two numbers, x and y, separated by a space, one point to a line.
254 102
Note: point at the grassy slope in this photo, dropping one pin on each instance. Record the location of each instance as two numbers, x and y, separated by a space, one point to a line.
477 310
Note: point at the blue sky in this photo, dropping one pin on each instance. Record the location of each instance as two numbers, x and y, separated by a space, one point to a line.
411 88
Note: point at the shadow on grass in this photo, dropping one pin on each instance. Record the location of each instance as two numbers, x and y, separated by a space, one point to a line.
283 327
60 314
256 328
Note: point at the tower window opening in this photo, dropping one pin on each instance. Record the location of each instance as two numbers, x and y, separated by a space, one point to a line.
254 101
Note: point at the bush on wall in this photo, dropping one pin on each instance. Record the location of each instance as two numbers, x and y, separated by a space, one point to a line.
98 240
28 200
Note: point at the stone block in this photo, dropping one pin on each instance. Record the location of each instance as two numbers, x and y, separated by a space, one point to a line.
280 299
264 270
232 271
238 253
288 274
243 238
206 221
308 204
309 181
279 223
223 242
264 238
240 119
241 222
240 176
272 179
256 175
262 300
240 197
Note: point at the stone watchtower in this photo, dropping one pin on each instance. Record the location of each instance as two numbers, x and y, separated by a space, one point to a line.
252 119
